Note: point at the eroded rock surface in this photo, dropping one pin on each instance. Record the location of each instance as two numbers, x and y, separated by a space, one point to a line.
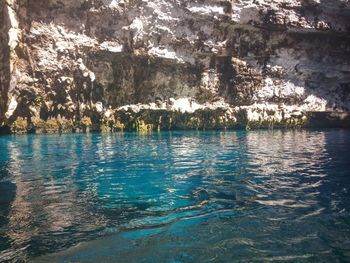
176 64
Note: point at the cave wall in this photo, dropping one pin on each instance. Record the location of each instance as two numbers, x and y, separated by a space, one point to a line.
5 75
76 59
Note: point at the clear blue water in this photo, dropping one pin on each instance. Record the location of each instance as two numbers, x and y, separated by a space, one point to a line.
176 197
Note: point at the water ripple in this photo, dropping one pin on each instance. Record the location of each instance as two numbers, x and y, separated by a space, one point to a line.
220 196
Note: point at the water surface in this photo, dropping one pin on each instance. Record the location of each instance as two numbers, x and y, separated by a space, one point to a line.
176 197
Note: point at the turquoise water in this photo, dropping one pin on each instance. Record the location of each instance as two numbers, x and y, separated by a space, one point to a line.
176 197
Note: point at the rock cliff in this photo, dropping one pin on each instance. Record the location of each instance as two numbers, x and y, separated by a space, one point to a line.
173 64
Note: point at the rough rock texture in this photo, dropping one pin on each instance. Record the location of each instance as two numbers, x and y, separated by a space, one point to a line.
172 64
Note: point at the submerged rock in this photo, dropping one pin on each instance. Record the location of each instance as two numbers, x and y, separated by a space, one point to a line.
155 64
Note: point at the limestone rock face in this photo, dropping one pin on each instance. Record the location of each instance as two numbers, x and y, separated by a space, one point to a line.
63 62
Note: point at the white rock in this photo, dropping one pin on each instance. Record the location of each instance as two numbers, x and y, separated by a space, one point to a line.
99 107
11 108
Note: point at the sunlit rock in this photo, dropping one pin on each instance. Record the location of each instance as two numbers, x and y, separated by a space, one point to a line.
262 61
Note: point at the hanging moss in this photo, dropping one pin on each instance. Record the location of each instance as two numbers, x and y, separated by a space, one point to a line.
86 123
20 126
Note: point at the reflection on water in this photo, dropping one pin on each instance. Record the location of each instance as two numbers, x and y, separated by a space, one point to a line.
176 197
